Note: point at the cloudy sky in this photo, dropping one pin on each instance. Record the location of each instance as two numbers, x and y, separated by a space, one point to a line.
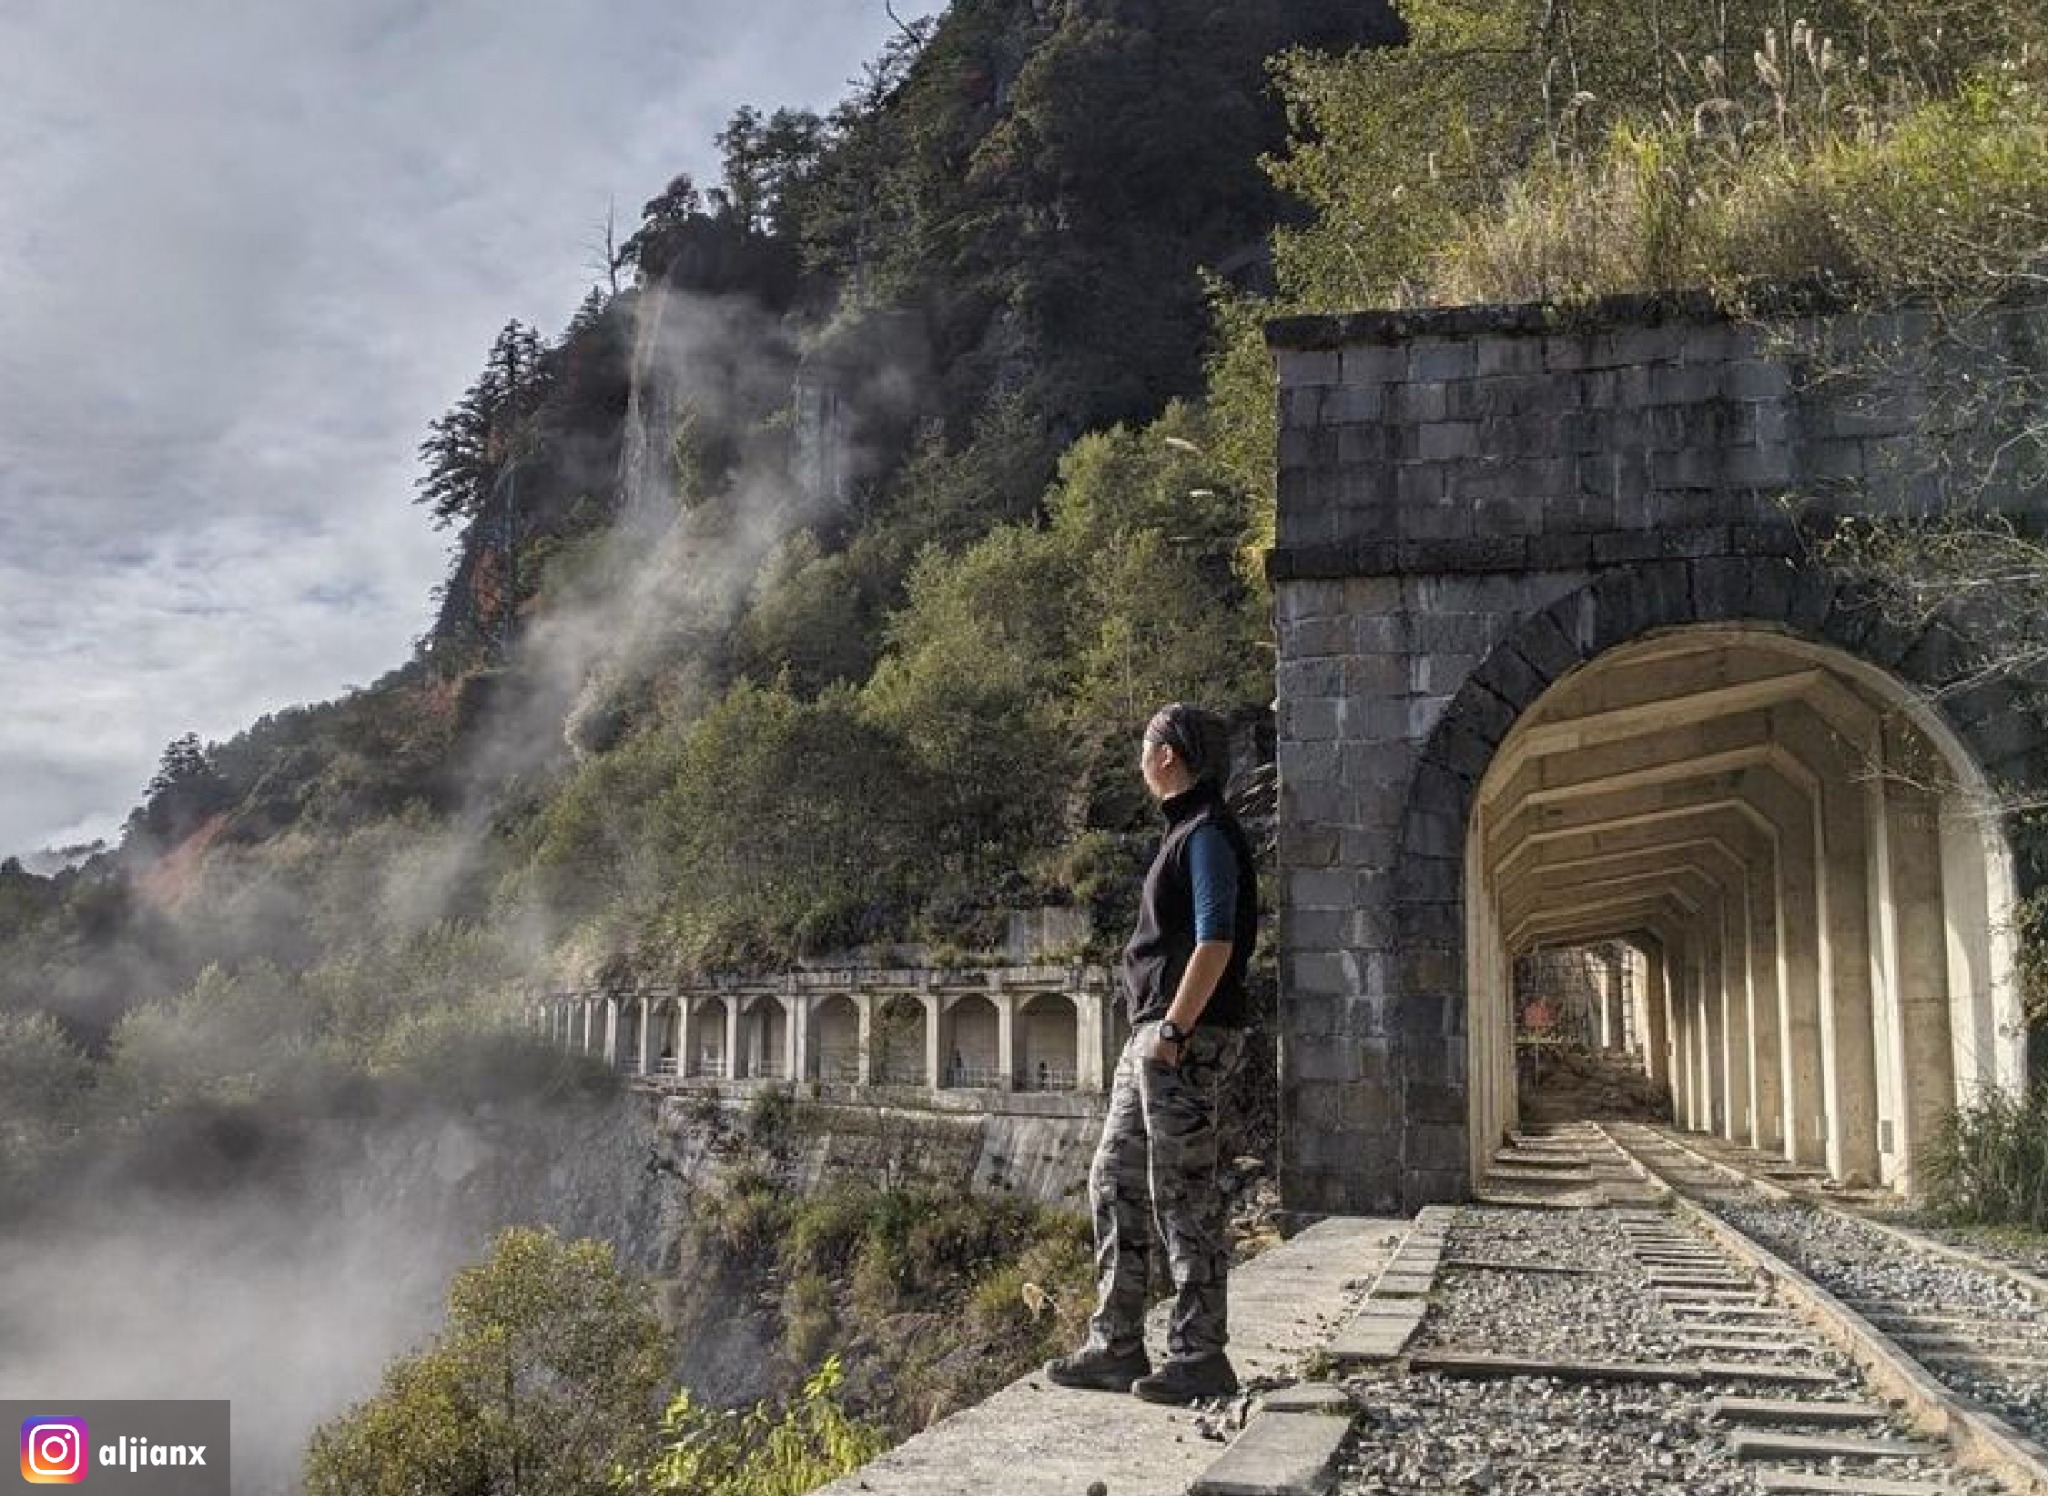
247 252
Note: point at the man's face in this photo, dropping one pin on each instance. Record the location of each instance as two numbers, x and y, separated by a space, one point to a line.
1155 760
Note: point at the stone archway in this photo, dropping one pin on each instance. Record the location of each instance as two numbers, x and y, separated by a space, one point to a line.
1802 848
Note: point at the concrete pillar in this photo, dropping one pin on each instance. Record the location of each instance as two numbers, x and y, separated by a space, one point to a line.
1006 1039
589 1007
1613 1002
864 1003
802 1038
1802 1094
1766 962
1091 1032
1684 1075
1923 1054
934 1057
1735 1004
733 1068
647 1046
1712 1031
1848 1053
1656 1017
686 1034
611 1032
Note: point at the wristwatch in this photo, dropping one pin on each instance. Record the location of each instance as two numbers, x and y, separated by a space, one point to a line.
1172 1032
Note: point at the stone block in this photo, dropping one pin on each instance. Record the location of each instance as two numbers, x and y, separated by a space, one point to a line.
1764 378
1548 648
1687 467
1312 889
1510 355
1419 403
1509 516
1437 1147
1448 441
1323 973
1770 588
1317 639
1721 587
1374 363
1420 483
1303 675
1764 466
1308 721
1351 404
1367 442
1436 923
1297 367
1307 763
1377 675
1442 358
1509 678
1327 1059
1560 552
1436 1102
1311 848
1449 521
1430 880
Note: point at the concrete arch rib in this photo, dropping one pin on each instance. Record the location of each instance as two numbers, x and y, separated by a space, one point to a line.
1854 984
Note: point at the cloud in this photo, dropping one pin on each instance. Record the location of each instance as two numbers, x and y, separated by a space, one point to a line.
249 253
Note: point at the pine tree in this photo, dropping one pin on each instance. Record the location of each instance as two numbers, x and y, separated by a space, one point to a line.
468 449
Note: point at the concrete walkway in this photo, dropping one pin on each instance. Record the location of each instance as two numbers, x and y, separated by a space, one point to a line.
1035 1439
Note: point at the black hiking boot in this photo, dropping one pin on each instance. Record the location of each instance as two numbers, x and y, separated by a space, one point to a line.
1095 1369
1188 1381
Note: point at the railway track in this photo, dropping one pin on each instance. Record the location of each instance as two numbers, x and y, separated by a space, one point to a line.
1603 1323
1959 1339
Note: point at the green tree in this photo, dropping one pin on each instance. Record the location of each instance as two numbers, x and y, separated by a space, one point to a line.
468 450
763 1451
544 1383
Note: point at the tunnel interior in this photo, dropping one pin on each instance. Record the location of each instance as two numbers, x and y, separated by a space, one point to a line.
1763 872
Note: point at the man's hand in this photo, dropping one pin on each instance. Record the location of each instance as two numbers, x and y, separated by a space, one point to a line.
1162 1051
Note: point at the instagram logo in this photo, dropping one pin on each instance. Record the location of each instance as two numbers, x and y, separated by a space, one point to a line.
53 1451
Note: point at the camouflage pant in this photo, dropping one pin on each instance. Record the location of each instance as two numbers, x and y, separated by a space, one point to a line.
1157 1162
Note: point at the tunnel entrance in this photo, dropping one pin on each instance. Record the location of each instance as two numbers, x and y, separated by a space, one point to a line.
1761 874
1579 1025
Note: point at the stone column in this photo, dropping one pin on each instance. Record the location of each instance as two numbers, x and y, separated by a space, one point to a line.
1091 1041
1006 1038
732 1036
792 1038
864 1003
934 1060
647 1049
611 1032
686 1034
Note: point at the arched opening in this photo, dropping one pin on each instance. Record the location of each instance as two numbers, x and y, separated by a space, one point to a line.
835 1045
899 1042
764 1039
970 1043
665 1042
629 1034
1762 871
1049 1034
708 1022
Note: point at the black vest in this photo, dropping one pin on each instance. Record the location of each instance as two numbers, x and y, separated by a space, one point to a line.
1165 938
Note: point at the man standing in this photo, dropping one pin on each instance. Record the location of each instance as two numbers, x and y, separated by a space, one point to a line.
1184 981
